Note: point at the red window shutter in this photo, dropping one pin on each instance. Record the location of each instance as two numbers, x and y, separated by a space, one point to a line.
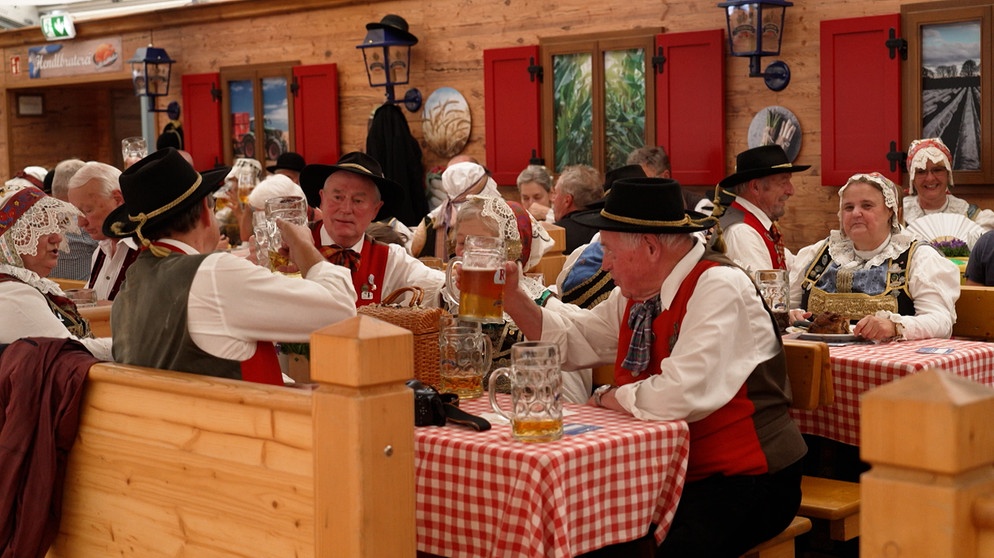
315 113
690 105
861 111
512 110
202 119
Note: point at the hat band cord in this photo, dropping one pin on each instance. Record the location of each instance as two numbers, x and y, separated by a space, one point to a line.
143 218
646 222
782 166
355 166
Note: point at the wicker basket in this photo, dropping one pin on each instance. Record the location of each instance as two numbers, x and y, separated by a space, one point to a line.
422 322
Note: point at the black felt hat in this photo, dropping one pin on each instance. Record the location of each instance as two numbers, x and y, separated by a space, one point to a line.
614 175
397 25
645 205
313 176
758 162
156 189
289 161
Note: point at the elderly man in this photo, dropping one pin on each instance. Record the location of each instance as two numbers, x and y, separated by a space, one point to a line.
690 340
351 193
578 187
188 308
749 232
95 191
930 175
75 264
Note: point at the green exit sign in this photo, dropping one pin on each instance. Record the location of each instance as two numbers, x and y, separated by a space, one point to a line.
58 26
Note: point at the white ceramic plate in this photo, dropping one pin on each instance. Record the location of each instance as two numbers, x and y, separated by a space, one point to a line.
830 337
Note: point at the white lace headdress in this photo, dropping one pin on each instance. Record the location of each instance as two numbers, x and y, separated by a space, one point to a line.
886 186
920 152
26 215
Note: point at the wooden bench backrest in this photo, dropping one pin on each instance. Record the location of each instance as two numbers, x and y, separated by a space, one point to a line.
99 318
810 373
552 261
975 313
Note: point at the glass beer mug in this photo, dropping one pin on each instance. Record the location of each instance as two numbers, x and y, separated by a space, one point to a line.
285 208
536 392
775 290
481 279
464 358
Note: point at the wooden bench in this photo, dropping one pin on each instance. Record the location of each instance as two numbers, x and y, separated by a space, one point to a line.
99 318
69 284
782 545
975 313
174 464
553 260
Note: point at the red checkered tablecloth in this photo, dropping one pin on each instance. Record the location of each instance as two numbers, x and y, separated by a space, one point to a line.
484 494
858 368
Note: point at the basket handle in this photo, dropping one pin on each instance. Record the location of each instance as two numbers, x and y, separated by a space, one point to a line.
417 295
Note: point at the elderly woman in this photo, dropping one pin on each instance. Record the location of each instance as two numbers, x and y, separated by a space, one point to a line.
874 271
32 231
433 236
535 189
526 241
931 175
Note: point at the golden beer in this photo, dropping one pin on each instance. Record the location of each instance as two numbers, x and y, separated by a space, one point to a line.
277 261
465 386
537 430
482 294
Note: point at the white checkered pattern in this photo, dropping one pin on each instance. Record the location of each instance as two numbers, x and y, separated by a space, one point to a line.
858 368
484 494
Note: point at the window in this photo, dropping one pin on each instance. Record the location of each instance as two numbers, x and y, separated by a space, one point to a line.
597 102
249 92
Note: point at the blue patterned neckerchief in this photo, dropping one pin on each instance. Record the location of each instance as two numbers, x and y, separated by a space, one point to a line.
640 322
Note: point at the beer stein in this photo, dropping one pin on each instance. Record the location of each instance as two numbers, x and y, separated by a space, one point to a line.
133 149
284 208
775 290
464 358
536 392
481 280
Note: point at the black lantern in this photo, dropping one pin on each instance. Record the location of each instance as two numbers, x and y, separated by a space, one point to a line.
150 69
386 51
755 29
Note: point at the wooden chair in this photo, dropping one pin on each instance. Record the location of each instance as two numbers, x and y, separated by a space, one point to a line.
975 313
834 501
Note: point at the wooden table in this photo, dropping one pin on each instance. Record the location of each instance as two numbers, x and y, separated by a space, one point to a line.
484 494
858 368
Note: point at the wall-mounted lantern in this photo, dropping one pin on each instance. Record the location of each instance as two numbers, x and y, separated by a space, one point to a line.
755 29
150 72
386 51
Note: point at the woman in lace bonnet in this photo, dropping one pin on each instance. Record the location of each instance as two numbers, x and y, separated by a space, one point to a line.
873 271
32 232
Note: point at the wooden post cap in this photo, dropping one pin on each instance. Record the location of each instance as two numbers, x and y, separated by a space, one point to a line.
933 421
362 352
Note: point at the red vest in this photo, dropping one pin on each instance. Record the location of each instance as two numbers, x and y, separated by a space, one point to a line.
725 442
749 219
368 279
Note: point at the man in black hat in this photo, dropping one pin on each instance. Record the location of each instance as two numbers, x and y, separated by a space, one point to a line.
185 307
749 234
288 164
351 193
690 340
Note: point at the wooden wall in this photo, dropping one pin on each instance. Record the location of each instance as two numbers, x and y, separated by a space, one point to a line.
453 35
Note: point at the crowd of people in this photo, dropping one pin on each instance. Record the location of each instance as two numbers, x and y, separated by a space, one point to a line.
658 284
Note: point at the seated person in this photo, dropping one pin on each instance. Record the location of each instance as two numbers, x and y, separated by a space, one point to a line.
535 190
188 308
874 271
578 188
930 176
723 371
433 236
980 267
33 230
526 241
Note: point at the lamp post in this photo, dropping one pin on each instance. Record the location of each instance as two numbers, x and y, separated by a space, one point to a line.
386 51
150 73
755 29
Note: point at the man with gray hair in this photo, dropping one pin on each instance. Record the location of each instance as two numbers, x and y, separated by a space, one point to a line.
75 264
578 187
95 191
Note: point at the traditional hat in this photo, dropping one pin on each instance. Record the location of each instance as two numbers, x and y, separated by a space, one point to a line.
396 25
27 214
612 176
645 205
892 199
289 161
758 162
273 186
156 189
241 165
313 176
921 151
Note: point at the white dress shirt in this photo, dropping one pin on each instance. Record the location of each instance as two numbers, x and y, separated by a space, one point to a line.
112 264
26 313
746 247
234 303
725 334
403 270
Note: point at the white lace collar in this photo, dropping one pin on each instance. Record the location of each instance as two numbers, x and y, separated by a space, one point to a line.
46 286
841 248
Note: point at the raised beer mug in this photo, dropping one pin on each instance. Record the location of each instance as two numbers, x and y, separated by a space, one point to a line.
481 279
774 288
283 208
536 392
464 358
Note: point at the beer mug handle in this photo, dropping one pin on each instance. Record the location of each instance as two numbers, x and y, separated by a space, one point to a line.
450 293
488 351
492 388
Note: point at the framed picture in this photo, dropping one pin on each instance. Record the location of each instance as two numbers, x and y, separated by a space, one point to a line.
30 105
948 86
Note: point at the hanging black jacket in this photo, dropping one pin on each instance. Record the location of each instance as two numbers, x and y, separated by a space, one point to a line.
390 142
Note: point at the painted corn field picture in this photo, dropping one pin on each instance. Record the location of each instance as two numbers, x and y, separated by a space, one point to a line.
573 112
624 104
950 77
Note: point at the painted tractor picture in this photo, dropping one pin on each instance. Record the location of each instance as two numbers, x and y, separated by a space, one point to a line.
243 138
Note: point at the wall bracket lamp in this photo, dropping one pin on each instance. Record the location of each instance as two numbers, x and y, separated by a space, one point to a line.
755 30
150 72
386 51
